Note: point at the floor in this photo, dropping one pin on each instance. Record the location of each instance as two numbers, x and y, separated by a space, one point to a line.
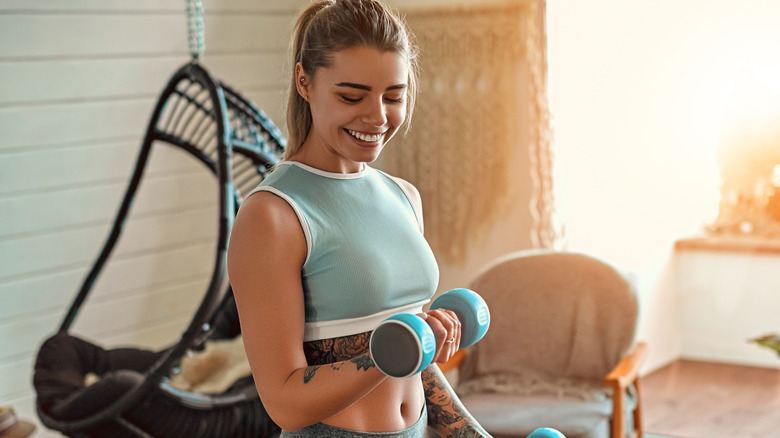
692 399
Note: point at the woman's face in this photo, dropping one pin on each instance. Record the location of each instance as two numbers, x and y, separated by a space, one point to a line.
357 105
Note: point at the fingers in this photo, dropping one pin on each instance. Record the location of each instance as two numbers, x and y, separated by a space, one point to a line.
446 329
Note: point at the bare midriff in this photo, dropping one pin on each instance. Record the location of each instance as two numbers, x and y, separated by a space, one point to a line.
394 405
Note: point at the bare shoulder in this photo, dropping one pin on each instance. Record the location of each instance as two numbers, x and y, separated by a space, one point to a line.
266 230
266 205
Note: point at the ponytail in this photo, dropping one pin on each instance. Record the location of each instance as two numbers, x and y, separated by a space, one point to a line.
298 111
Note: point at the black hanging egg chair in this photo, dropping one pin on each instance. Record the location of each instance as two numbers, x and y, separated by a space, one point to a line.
237 143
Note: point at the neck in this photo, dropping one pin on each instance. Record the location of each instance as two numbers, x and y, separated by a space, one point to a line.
328 163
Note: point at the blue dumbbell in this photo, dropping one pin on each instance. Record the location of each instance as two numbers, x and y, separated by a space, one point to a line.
403 345
545 432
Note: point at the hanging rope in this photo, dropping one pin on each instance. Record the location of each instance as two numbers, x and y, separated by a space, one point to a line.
195 27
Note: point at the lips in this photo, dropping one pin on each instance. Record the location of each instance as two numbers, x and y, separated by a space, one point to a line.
367 137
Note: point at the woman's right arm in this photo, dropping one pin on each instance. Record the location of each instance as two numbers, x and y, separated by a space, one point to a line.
266 252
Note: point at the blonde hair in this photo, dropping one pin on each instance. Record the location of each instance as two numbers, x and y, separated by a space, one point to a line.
329 26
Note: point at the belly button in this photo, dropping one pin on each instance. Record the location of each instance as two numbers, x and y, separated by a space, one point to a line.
404 408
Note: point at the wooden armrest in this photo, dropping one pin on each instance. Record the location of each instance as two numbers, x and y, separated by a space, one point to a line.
625 373
455 362
627 370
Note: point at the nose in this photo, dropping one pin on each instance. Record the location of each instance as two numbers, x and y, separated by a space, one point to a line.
375 114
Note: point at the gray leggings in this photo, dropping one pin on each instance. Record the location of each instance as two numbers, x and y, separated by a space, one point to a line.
417 430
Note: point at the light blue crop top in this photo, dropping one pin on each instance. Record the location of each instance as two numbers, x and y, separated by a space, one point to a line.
367 258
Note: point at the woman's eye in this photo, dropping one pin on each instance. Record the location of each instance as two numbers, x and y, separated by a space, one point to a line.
397 100
350 99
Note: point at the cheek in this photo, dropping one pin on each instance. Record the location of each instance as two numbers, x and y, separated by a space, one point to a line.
324 119
396 115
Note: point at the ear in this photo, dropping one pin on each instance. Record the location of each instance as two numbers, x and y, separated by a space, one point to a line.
302 81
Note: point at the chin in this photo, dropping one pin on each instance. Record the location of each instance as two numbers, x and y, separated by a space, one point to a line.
370 157
366 155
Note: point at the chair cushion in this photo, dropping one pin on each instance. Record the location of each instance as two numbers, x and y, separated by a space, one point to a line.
63 363
506 415
564 315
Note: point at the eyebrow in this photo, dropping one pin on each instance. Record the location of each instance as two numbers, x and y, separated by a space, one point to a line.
367 88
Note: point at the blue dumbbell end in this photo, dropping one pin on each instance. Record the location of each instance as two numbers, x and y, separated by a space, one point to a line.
402 345
546 432
472 312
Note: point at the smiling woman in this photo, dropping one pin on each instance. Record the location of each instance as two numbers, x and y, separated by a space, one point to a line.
326 247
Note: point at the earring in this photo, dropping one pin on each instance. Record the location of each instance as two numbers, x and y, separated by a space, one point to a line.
303 80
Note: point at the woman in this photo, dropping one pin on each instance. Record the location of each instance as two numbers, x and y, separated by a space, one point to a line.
327 247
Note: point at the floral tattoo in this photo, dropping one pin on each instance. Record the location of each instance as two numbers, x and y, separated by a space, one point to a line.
446 414
334 352
327 351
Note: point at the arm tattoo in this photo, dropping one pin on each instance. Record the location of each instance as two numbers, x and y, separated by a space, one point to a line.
446 413
326 351
363 362
334 352
308 374
310 371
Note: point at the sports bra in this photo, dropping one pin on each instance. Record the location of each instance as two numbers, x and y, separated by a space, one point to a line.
366 256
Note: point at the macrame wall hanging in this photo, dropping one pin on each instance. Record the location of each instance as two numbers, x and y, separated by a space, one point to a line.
545 233
475 65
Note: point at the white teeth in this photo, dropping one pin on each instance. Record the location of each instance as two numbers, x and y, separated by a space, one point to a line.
365 137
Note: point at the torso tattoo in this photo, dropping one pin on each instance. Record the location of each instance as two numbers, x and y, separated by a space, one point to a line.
445 411
327 351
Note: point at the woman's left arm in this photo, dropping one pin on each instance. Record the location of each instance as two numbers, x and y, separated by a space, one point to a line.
446 414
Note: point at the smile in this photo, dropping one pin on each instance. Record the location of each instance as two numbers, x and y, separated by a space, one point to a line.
365 137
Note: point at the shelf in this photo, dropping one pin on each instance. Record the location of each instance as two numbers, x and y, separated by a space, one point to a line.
737 244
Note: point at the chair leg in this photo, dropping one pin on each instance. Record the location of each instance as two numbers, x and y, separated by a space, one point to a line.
638 411
618 411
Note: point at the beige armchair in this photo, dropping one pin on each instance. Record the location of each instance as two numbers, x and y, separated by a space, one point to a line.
560 351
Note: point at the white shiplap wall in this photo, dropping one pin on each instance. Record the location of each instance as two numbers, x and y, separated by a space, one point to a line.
78 82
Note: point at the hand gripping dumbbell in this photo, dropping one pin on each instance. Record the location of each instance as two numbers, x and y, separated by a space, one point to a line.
403 345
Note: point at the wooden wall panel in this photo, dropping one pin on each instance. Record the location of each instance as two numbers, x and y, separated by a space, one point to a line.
81 206
61 124
50 169
25 127
50 35
64 249
51 291
141 6
17 375
41 293
77 80
34 81
123 315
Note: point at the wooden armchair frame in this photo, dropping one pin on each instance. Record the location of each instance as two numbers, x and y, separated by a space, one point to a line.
625 373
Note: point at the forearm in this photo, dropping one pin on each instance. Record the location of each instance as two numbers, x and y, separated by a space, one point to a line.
446 414
312 394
